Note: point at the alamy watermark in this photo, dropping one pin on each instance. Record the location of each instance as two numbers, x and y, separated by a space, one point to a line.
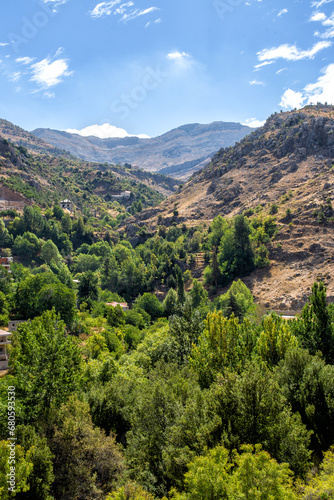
11 461
223 7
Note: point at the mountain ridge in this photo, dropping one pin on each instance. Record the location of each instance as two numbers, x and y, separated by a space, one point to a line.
195 143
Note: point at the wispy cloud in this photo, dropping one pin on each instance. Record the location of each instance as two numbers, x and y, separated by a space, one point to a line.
25 60
265 63
319 3
291 52
320 91
15 77
54 3
282 12
3 44
125 11
256 82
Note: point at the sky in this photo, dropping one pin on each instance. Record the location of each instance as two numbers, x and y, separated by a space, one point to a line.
143 67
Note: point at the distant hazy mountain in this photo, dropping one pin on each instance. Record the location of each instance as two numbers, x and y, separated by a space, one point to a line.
179 152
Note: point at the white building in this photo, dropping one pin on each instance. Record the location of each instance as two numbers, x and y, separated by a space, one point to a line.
5 341
66 205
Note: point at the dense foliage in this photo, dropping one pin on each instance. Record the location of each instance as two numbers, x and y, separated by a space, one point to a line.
179 396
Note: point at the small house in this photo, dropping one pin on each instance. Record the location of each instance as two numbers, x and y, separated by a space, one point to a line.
5 341
66 205
13 324
123 305
6 262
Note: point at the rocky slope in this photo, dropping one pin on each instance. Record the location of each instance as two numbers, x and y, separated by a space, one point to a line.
21 137
45 179
178 153
286 166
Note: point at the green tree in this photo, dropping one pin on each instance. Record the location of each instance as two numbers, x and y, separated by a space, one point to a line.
315 328
169 304
47 364
252 474
38 453
238 300
150 304
198 294
275 339
49 253
320 486
88 288
87 463
236 256
23 467
185 328
131 491
115 316
181 296
6 239
26 304
26 246
59 297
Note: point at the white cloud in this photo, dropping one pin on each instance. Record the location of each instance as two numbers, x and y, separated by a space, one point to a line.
25 60
320 91
256 82
281 71
291 52
323 89
318 16
48 73
283 11
291 99
104 9
126 11
254 123
176 55
327 22
105 131
3 44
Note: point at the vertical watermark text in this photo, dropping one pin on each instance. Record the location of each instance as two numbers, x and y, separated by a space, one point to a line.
11 461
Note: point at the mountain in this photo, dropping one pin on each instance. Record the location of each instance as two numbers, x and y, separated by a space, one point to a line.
21 137
284 168
178 153
30 174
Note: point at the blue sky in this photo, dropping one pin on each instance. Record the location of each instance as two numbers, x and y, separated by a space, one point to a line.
147 66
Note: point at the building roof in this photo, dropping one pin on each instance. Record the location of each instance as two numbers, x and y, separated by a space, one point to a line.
4 332
66 201
115 304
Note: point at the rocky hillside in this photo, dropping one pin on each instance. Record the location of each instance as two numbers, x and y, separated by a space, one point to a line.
46 179
284 168
178 153
21 137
